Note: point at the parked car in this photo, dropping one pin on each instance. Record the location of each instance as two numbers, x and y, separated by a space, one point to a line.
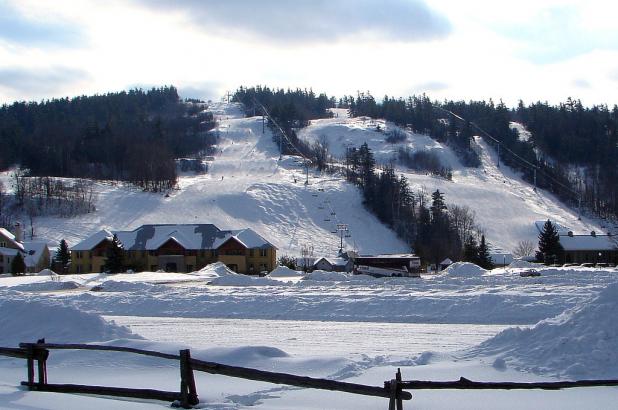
587 265
603 265
529 273
566 265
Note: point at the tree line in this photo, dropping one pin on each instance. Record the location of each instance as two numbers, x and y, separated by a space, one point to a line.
131 136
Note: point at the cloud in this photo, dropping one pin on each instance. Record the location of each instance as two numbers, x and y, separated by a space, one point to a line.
313 20
429 86
28 81
581 83
556 34
17 28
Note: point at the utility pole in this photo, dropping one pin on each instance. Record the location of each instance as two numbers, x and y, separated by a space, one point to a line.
228 95
263 123
498 155
342 228
534 179
307 162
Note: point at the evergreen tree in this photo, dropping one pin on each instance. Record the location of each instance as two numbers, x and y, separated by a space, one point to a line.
550 249
437 205
471 250
63 256
484 260
114 262
18 266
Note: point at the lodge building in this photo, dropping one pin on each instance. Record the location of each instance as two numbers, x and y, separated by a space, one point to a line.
177 248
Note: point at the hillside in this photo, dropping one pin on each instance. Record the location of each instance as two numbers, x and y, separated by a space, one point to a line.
506 206
247 186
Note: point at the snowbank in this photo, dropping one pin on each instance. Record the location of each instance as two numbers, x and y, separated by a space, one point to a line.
518 263
122 286
285 272
47 272
28 321
464 270
581 343
222 276
46 286
324 276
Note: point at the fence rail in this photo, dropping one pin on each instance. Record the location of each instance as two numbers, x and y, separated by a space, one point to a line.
187 396
394 389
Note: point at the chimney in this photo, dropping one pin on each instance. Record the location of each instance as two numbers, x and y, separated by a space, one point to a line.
19 233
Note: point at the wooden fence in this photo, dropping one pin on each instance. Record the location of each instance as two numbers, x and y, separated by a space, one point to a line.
394 390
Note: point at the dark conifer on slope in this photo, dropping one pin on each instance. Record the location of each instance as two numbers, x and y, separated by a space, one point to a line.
114 262
550 249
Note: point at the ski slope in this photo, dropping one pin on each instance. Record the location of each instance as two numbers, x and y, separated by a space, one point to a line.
506 206
246 186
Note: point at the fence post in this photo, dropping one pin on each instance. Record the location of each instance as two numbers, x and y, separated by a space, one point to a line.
42 355
30 361
398 382
188 391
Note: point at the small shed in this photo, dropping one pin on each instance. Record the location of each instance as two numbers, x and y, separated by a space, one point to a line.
445 263
333 264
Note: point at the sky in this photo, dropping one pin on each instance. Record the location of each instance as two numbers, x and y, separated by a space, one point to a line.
545 50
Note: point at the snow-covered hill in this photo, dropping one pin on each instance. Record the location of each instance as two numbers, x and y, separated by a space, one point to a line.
506 206
248 186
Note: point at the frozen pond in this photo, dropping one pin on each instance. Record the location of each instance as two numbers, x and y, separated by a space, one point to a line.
308 338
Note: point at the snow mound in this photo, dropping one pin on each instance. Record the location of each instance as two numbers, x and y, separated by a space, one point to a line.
284 272
215 270
518 263
221 275
324 276
241 355
30 320
580 343
122 286
47 272
46 286
464 270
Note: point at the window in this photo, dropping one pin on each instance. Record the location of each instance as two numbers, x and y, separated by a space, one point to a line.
79 254
1 258
2 244
189 268
263 252
251 267
79 268
251 253
215 253
90 268
143 254
153 268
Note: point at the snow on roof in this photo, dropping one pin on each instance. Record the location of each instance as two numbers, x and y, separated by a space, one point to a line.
390 255
333 261
92 241
8 235
562 230
588 242
446 261
34 251
189 236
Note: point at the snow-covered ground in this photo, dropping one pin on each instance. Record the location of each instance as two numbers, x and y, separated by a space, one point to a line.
358 329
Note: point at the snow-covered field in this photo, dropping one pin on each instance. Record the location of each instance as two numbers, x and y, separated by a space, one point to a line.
357 329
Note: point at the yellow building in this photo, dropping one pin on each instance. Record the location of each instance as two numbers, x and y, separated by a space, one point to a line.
177 248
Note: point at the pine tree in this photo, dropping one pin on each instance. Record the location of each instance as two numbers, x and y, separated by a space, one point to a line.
63 256
471 250
437 205
18 266
114 262
550 248
484 257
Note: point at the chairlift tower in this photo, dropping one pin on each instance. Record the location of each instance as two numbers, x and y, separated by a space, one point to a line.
342 229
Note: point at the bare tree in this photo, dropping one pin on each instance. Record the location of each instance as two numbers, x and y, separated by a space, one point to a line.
524 248
463 219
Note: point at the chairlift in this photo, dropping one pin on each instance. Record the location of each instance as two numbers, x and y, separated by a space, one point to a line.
326 219
333 213
321 189
333 231
320 207
348 235
314 194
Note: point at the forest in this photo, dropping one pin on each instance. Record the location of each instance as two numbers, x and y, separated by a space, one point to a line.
132 136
